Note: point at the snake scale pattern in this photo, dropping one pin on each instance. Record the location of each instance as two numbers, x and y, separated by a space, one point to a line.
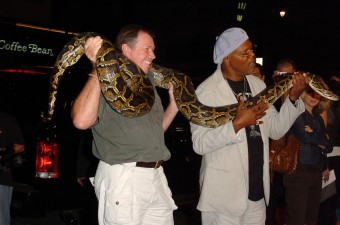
129 92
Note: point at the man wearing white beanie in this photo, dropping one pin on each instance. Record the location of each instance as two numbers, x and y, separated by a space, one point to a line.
234 176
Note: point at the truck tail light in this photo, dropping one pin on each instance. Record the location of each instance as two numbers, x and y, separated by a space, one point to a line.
47 160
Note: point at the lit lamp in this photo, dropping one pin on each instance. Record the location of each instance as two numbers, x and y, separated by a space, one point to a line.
282 13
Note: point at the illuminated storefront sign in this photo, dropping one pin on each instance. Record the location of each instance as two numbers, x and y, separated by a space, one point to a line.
32 48
25 46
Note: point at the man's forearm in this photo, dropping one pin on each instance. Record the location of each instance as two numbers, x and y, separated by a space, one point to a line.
85 107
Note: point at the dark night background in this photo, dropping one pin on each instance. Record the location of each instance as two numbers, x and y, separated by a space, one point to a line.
186 29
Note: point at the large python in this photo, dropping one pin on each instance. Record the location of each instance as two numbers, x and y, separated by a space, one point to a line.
128 90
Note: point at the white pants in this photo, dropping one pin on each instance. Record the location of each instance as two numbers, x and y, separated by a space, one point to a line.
255 214
133 195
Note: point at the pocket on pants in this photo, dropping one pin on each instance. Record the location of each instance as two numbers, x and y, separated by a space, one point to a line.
118 209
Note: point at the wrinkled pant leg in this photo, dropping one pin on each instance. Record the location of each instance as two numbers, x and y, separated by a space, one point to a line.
313 202
5 204
301 191
255 214
133 195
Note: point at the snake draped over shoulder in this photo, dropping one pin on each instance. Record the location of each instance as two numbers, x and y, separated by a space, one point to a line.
129 92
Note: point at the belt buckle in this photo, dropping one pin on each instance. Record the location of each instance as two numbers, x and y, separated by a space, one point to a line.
158 164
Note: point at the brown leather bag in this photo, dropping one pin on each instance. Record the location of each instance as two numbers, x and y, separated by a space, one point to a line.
283 154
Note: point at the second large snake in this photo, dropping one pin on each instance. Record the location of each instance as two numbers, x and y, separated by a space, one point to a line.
128 90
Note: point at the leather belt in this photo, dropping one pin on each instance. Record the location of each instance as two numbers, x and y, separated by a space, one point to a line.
154 165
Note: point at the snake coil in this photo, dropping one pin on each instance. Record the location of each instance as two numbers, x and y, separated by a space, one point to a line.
129 92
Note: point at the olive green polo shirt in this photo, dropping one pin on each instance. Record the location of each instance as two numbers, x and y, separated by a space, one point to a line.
119 139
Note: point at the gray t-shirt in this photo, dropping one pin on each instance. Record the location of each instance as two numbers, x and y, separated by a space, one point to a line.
119 139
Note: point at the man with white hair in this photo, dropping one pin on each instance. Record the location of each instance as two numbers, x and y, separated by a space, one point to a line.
234 176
